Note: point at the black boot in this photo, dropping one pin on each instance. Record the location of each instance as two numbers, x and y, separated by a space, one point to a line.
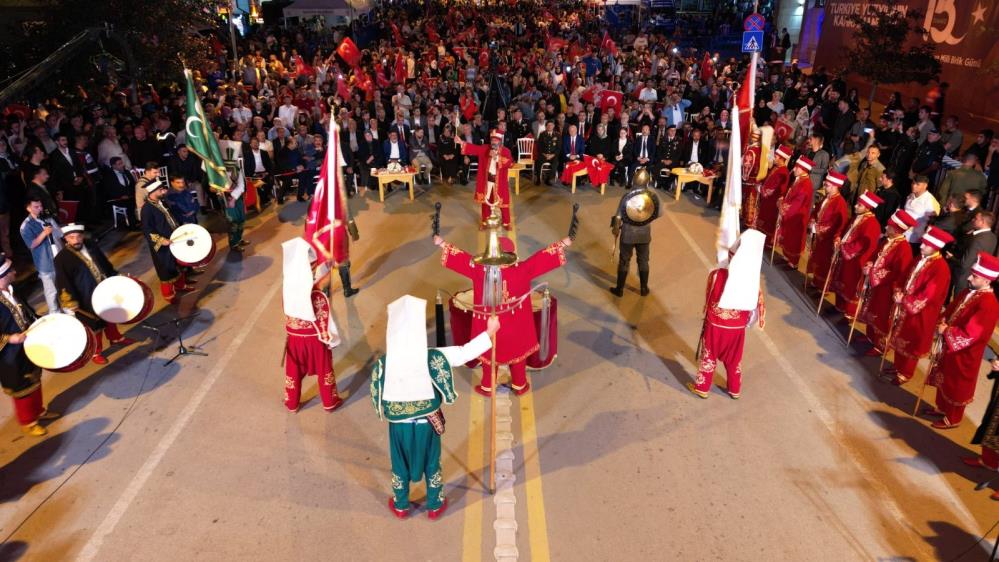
643 278
348 291
618 291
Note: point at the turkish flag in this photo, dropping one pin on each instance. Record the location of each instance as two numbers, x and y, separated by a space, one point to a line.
326 221
590 94
349 52
341 88
381 80
556 43
607 44
396 34
611 99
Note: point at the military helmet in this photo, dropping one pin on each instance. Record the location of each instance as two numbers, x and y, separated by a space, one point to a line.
642 178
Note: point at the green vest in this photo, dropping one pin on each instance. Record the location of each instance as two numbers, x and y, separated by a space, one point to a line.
440 374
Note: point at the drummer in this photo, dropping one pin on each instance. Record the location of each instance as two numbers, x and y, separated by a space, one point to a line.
78 269
19 377
157 226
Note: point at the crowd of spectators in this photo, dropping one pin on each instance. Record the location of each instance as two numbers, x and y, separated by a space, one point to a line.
428 72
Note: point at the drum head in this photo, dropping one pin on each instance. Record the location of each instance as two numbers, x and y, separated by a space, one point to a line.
464 300
191 243
118 299
55 341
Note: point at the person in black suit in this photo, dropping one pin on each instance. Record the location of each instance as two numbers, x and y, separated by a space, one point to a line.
644 154
448 155
118 185
623 155
697 149
257 164
978 239
369 157
667 156
516 128
62 167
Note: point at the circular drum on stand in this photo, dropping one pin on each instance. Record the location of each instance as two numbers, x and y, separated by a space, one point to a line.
192 245
122 300
460 308
59 343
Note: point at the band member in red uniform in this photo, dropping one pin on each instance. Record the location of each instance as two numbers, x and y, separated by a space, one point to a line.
492 187
733 300
21 379
827 228
795 210
918 306
312 335
964 331
888 271
752 158
855 250
772 190
517 339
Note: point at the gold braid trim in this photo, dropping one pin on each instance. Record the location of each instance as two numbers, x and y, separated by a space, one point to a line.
91 264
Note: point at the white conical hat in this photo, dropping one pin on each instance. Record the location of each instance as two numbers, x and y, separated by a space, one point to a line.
297 272
742 290
407 377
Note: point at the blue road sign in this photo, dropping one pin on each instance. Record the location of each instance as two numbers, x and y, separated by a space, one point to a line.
752 41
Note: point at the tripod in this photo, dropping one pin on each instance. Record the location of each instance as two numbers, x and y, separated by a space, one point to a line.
182 349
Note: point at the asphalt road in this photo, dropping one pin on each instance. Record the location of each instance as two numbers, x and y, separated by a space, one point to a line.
613 459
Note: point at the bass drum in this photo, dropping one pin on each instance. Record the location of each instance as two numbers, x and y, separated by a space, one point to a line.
460 307
192 245
59 343
122 300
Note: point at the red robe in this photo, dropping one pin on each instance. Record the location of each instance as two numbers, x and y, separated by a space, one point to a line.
774 187
830 222
795 211
307 354
750 185
970 319
501 194
856 249
724 335
925 291
889 272
517 338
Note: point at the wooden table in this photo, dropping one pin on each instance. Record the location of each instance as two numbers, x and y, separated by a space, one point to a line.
384 178
684 177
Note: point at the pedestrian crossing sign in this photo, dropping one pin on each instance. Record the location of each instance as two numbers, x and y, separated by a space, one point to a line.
752 41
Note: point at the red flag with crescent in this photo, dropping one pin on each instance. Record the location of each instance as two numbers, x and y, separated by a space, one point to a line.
349 52
611 99
326 222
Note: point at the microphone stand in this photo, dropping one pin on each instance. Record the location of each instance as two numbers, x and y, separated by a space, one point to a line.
182 350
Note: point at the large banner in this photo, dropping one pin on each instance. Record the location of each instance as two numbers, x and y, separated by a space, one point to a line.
965 33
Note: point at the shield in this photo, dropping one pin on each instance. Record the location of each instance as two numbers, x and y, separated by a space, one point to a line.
641 208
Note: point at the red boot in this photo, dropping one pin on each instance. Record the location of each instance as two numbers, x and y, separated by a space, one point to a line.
400 513
435 514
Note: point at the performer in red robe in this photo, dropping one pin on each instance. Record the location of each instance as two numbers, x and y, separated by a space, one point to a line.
918 306
795 210
751 161
732 299
855 250
492 187
827 228
965 330
772 190
888 272
311 333
517 339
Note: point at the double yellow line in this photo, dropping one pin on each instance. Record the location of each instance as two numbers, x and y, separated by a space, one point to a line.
537 523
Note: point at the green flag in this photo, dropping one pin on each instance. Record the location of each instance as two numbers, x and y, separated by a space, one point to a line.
202 142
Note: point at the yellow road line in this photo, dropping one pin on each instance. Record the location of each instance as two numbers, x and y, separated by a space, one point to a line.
472 535
537 523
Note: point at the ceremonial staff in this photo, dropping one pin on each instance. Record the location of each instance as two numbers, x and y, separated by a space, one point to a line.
935 352
773 248
435 230
891 331
860 305
825 286
809 241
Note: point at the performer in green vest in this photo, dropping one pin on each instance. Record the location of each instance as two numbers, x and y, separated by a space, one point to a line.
408 385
